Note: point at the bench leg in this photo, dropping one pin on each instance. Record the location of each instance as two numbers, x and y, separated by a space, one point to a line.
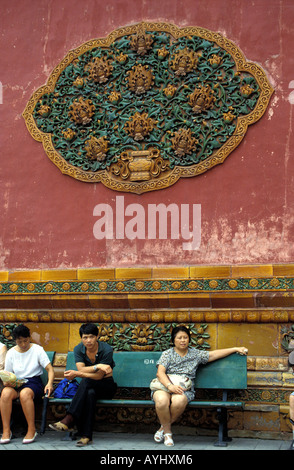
223 437
69 436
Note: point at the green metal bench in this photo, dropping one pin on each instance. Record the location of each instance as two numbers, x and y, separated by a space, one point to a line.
137 369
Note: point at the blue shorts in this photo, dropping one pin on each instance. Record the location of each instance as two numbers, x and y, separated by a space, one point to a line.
35 384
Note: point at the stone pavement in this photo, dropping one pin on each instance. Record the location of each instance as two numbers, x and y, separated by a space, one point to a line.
108 442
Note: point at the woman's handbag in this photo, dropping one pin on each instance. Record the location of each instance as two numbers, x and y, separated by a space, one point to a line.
179 380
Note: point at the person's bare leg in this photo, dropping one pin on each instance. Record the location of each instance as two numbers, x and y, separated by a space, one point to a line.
177 407
26 397
7 396
162 406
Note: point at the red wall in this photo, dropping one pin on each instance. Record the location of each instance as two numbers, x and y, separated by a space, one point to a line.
46 218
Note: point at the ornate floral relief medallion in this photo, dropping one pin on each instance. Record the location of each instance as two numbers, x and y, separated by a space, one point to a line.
147 105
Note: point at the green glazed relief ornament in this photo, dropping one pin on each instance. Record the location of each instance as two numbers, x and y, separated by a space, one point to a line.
147 105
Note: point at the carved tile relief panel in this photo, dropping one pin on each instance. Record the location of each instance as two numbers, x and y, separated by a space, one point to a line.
147 105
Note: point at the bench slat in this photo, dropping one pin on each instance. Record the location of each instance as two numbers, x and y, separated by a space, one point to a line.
130 402
194 404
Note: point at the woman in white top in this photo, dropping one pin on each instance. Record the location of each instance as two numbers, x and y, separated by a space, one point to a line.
26 360
3 351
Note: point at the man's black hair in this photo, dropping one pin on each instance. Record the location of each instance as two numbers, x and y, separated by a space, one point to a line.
88 329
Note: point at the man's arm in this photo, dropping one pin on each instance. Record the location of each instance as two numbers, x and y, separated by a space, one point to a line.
95 372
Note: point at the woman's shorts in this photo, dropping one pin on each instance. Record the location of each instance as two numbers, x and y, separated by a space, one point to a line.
189 394
35 384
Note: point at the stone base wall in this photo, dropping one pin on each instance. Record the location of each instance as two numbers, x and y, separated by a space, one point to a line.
135 309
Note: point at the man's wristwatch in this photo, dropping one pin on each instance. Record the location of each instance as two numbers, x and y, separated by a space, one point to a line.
95 367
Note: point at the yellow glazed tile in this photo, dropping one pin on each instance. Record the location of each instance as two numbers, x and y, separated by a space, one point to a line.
189 300
265 378
151 301
173 272
283 270
74 335
24 276
133 273
92 274
259 341
51 336
210 271
3 276
252 271
58 275
232 300
258 420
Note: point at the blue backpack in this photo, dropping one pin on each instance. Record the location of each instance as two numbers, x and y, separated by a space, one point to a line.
66 388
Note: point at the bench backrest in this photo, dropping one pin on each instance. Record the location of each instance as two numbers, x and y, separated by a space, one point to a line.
137 369
227 373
